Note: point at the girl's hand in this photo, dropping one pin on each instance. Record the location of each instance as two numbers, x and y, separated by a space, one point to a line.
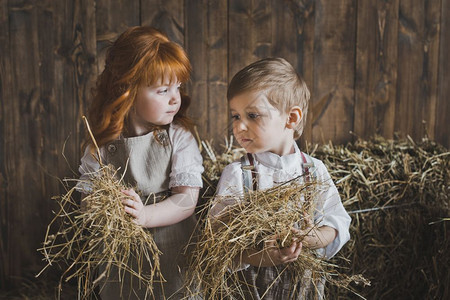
134 206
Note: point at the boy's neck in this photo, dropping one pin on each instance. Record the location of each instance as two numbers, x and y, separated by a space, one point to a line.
286 149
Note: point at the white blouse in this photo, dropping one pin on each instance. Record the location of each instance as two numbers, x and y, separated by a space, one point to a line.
273 169
186 169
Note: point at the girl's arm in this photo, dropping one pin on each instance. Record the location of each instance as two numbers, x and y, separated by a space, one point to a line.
179 206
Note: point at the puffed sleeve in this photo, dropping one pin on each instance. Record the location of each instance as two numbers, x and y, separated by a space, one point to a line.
230 184
229 189
187 161
89 166
330 211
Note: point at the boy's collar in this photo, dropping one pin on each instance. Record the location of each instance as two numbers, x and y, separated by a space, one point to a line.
275 161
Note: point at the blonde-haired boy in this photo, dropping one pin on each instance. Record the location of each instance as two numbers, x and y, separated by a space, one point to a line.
268 102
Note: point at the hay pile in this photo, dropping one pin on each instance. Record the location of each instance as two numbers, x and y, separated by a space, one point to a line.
90 240
397 193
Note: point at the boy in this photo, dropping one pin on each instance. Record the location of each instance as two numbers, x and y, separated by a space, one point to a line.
268 102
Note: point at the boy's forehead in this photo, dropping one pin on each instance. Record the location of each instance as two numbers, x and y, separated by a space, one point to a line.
249 100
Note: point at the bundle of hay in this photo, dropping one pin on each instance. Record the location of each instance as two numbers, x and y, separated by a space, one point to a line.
248 224
91 239
397 193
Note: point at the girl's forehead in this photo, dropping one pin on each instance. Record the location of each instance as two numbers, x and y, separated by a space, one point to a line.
166 79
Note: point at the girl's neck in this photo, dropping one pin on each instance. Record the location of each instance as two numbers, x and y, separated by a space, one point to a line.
133 128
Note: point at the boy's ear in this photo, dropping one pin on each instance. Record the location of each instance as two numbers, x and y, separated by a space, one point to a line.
294 117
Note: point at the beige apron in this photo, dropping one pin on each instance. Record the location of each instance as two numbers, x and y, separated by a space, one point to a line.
148 161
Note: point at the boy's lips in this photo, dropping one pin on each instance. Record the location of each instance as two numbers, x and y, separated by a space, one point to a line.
245 140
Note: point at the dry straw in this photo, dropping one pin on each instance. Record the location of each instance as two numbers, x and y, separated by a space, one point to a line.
248 224
397 193
92 239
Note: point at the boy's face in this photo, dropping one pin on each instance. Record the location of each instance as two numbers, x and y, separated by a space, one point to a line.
258 126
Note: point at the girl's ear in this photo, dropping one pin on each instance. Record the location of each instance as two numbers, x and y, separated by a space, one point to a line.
294 117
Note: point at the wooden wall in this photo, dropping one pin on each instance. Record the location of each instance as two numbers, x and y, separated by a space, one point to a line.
373 67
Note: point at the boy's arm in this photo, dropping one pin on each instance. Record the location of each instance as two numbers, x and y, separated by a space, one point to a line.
320 237
330 217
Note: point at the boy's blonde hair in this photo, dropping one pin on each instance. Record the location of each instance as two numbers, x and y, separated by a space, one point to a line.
278 81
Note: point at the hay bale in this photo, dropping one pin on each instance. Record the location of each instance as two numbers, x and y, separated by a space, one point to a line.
397 193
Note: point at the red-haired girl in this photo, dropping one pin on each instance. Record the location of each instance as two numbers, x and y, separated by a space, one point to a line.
138 120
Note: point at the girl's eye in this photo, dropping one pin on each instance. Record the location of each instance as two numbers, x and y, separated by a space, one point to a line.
163 91
253 115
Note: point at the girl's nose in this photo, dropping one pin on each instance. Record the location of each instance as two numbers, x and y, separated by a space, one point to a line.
175 98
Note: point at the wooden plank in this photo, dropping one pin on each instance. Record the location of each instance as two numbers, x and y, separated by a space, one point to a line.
293 39
249 23
5 93
22 139
112 18
197 50
167 16
417 68
217 42
51 72
442 128
206 44
334 70
376 68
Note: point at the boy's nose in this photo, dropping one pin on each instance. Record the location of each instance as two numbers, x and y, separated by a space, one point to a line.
240 126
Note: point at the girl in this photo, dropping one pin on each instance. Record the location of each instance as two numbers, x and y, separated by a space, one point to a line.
138 120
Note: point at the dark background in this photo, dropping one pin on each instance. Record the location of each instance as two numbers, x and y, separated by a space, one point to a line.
373 67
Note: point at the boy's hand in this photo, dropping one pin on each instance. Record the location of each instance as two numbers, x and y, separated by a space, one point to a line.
134 206
271 255
284 255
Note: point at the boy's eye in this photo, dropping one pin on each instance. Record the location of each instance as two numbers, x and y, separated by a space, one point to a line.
235 117
253 115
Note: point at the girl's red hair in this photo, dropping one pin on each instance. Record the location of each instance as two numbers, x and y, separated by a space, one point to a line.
141 56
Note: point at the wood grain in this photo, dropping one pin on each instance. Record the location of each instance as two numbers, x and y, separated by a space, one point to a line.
334 69
373 67
376 68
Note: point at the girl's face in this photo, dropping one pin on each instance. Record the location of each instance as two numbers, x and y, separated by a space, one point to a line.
157 104
258 126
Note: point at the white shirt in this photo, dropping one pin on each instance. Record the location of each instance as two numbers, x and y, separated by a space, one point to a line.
272 169
186 166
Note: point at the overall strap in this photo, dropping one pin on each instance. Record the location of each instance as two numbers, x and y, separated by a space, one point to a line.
248 174
305 166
